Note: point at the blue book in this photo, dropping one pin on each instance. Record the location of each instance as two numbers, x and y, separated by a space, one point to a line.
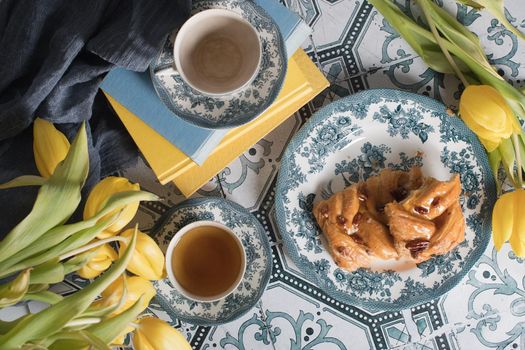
293 29
135 91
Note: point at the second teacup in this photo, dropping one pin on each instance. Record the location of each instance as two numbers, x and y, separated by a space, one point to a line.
205 261
217 52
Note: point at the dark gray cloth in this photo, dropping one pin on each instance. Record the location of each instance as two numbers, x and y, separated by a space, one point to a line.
53 56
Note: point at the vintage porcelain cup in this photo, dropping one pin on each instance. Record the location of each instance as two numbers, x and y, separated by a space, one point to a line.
216 52
188 229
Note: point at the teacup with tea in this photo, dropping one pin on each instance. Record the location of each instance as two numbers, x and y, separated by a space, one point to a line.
205 261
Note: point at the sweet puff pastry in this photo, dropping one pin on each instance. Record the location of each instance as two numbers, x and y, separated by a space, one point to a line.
393 215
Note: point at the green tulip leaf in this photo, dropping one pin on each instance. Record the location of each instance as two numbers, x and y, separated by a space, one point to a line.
508 157
24 180
58 234
495 163
77 240
35 288
6 326
111 328
78 340
56 201
44 296
471 3
420 39
51 320
497 9
455 32
52 271
99 311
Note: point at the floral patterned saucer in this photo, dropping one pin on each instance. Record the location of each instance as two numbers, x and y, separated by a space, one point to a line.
356 137
258 261
230 110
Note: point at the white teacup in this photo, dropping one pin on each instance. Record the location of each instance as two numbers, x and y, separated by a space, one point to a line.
205 261
217 52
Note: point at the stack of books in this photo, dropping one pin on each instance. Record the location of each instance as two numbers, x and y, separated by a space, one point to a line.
189 155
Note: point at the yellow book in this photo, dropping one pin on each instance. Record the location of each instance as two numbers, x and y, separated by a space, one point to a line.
302 83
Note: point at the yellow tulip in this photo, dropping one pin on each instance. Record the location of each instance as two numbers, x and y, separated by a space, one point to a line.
155 334
13 291
136 287
508 221
101 193
50 146
488 115
100 262
147 260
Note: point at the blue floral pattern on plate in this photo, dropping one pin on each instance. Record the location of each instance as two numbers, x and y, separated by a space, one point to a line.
258 261
230 110
355 138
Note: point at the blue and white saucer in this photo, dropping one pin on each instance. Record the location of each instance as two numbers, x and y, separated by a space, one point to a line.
226 111
258 261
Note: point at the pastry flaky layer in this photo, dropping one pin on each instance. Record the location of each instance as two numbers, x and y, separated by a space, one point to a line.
393 215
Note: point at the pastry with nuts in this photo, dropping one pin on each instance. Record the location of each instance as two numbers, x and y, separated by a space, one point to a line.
393 215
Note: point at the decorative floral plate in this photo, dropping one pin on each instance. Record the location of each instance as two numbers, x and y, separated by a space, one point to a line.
230 110
356 137
258 261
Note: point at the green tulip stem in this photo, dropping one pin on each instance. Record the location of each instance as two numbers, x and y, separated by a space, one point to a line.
91 246
83 321
439 41
515 142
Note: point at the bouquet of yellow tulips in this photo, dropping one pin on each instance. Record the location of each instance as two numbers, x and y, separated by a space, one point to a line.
489 106
44 247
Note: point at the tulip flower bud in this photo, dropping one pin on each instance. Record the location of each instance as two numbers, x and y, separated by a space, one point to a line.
508 221
136 287
147 260
100 262
155 334
100 194
50 146
13 291
488 115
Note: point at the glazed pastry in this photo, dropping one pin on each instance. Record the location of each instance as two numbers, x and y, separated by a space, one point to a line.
375 236
339 210
353 235
411 234
389 185
406 227
433 197
394 214
348 252
335 217
449 233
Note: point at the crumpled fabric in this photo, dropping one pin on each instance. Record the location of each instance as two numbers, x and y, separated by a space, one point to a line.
53 56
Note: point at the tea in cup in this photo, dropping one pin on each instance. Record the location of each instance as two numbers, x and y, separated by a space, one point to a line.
205 261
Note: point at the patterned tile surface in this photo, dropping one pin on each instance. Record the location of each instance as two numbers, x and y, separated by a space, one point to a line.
357 49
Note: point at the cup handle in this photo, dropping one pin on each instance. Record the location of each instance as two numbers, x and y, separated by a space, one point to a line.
166 70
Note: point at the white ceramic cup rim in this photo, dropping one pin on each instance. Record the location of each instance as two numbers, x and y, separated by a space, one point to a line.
169 254
187 26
